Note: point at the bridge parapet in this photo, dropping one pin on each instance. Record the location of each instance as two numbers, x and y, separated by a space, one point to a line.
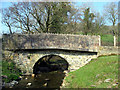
51 41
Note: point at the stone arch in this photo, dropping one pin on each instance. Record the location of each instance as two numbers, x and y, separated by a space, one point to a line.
48 57
26 60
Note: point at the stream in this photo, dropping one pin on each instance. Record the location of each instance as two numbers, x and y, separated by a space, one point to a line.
44 80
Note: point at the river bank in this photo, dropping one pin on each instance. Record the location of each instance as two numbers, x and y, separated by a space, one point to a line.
10 73
101 72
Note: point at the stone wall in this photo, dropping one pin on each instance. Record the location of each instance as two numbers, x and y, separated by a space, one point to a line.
75 59
108 50
51 41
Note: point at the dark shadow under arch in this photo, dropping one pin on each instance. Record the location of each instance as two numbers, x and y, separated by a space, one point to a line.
50 63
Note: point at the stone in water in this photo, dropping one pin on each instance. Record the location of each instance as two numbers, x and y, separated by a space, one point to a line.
29 84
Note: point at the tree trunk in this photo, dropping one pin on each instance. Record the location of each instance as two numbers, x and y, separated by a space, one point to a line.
48 19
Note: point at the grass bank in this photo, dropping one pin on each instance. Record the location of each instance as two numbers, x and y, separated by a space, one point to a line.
94 74
9 71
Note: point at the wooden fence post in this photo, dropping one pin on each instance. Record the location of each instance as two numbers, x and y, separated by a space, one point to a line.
114 41
99 40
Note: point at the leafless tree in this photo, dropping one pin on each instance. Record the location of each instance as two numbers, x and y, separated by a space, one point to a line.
111 12
31 17
6 19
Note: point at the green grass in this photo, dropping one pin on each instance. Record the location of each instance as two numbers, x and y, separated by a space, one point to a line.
10 70
107 40
95 73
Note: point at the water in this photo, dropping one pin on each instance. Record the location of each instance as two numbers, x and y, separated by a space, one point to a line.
44 80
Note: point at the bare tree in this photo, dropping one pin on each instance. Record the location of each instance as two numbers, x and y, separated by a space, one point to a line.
38 14
21 14
31 17
111 12
6 19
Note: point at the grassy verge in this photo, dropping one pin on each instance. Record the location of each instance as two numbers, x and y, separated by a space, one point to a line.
94 74
9 71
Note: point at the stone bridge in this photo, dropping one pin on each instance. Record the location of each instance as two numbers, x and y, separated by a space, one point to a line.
27 49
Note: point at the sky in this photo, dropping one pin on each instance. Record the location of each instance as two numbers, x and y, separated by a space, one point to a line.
96 5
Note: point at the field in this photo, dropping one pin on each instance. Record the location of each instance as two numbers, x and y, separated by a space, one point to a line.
107 40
